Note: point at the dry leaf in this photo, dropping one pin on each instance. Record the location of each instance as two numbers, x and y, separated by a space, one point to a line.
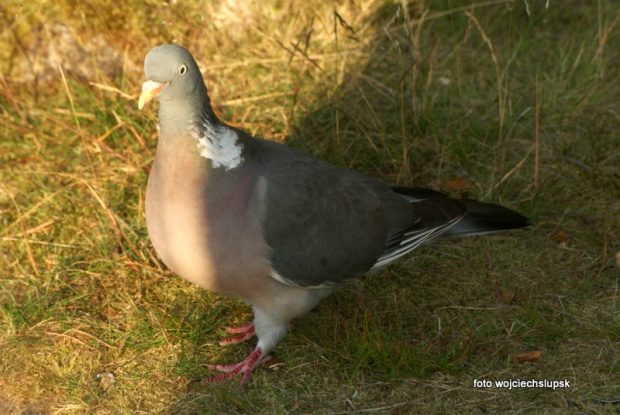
526 357
274 363
509 295
106 380
587 220
459 183
561 237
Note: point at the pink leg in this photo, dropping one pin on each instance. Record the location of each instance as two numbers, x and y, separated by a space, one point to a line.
254 359
245 333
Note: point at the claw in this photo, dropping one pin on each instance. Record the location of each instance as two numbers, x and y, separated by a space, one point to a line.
246 367
240 329
246 333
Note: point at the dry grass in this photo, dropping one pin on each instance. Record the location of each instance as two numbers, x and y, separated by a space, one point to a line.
524 106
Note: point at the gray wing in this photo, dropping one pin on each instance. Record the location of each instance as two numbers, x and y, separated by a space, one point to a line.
323 226
326 224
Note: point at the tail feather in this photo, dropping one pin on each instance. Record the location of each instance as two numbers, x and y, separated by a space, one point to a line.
479 218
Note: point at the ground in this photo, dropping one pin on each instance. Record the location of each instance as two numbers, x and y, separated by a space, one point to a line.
509 101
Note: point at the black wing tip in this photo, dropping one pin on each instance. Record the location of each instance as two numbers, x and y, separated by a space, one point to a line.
479 217
482 218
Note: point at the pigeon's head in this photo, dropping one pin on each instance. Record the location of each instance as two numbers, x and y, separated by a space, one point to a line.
171 73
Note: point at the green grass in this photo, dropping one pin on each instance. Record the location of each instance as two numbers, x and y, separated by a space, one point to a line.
526 107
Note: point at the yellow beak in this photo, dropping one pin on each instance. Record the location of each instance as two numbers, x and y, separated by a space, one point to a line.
150 89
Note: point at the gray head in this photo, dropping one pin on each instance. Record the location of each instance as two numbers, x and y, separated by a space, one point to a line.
171 73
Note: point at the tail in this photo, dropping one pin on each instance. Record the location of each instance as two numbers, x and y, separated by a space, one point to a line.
479 218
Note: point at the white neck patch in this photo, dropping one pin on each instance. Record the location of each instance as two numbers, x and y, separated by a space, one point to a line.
220 145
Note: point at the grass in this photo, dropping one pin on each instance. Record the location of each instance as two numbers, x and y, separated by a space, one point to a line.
524 106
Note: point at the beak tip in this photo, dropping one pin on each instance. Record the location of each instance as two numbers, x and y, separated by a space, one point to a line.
150 89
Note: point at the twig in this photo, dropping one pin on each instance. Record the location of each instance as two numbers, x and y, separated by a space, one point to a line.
409 68
569 159
501 90
537 139
77 331
33 241
267 61
604 36
312 61
113 89
64 111
613 401
343 23
75 339
238 101
514 169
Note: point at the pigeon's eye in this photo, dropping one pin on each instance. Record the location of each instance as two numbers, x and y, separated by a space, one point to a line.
182 69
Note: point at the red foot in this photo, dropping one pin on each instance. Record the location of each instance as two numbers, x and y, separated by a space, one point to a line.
245 367
246 333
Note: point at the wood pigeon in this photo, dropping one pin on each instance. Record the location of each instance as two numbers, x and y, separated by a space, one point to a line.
270 225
